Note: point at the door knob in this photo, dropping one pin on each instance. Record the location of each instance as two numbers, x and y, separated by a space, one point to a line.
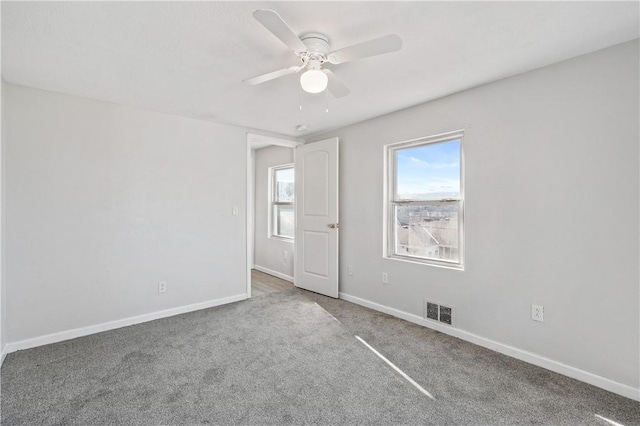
334 225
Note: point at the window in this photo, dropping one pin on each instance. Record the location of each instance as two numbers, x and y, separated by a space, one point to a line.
425 200
281 200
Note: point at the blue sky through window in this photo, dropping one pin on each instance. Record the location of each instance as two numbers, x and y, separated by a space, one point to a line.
429 171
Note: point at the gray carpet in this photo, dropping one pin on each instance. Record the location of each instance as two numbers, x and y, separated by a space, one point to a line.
283 358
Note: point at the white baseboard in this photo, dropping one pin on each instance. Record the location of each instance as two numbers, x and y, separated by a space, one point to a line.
92 329
535 359
274 273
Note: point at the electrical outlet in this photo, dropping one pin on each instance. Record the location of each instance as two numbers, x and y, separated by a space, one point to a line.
537 313
385 278
162 287
285 255
234 210
350 270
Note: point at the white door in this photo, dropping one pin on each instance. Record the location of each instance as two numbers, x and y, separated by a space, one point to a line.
316 237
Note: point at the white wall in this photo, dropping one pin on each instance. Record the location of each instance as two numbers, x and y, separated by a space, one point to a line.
103 201
551 213
269 251
2 287
3 299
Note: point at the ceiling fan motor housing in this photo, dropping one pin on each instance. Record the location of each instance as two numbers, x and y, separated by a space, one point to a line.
316 43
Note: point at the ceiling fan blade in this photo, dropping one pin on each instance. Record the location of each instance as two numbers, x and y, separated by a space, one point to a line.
274 23
386 44
335 86
271 75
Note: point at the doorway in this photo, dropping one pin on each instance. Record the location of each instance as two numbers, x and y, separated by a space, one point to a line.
270 243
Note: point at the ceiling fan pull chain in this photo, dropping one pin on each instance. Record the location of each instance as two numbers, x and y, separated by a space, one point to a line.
300 98
326 93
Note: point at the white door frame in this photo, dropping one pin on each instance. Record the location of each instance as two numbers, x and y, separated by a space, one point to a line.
255 140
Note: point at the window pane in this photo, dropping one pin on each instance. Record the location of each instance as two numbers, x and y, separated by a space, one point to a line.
428 231
284 185
428 172
284 220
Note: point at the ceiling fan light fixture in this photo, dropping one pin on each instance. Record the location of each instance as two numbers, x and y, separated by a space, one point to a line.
314 81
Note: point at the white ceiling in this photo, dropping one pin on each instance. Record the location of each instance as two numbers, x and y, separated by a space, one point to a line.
190 58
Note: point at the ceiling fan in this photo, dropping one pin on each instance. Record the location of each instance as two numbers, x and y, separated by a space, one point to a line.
314 49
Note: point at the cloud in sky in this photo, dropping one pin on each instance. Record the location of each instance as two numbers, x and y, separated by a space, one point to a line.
410 188
421 163
429 169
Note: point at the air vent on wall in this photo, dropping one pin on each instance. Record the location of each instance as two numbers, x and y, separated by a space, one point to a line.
432 311
436 312
446 314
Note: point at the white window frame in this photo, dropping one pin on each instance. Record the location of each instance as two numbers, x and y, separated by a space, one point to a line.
272 203
391 202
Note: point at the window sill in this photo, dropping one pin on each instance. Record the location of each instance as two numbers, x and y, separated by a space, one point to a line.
279 238
443 265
